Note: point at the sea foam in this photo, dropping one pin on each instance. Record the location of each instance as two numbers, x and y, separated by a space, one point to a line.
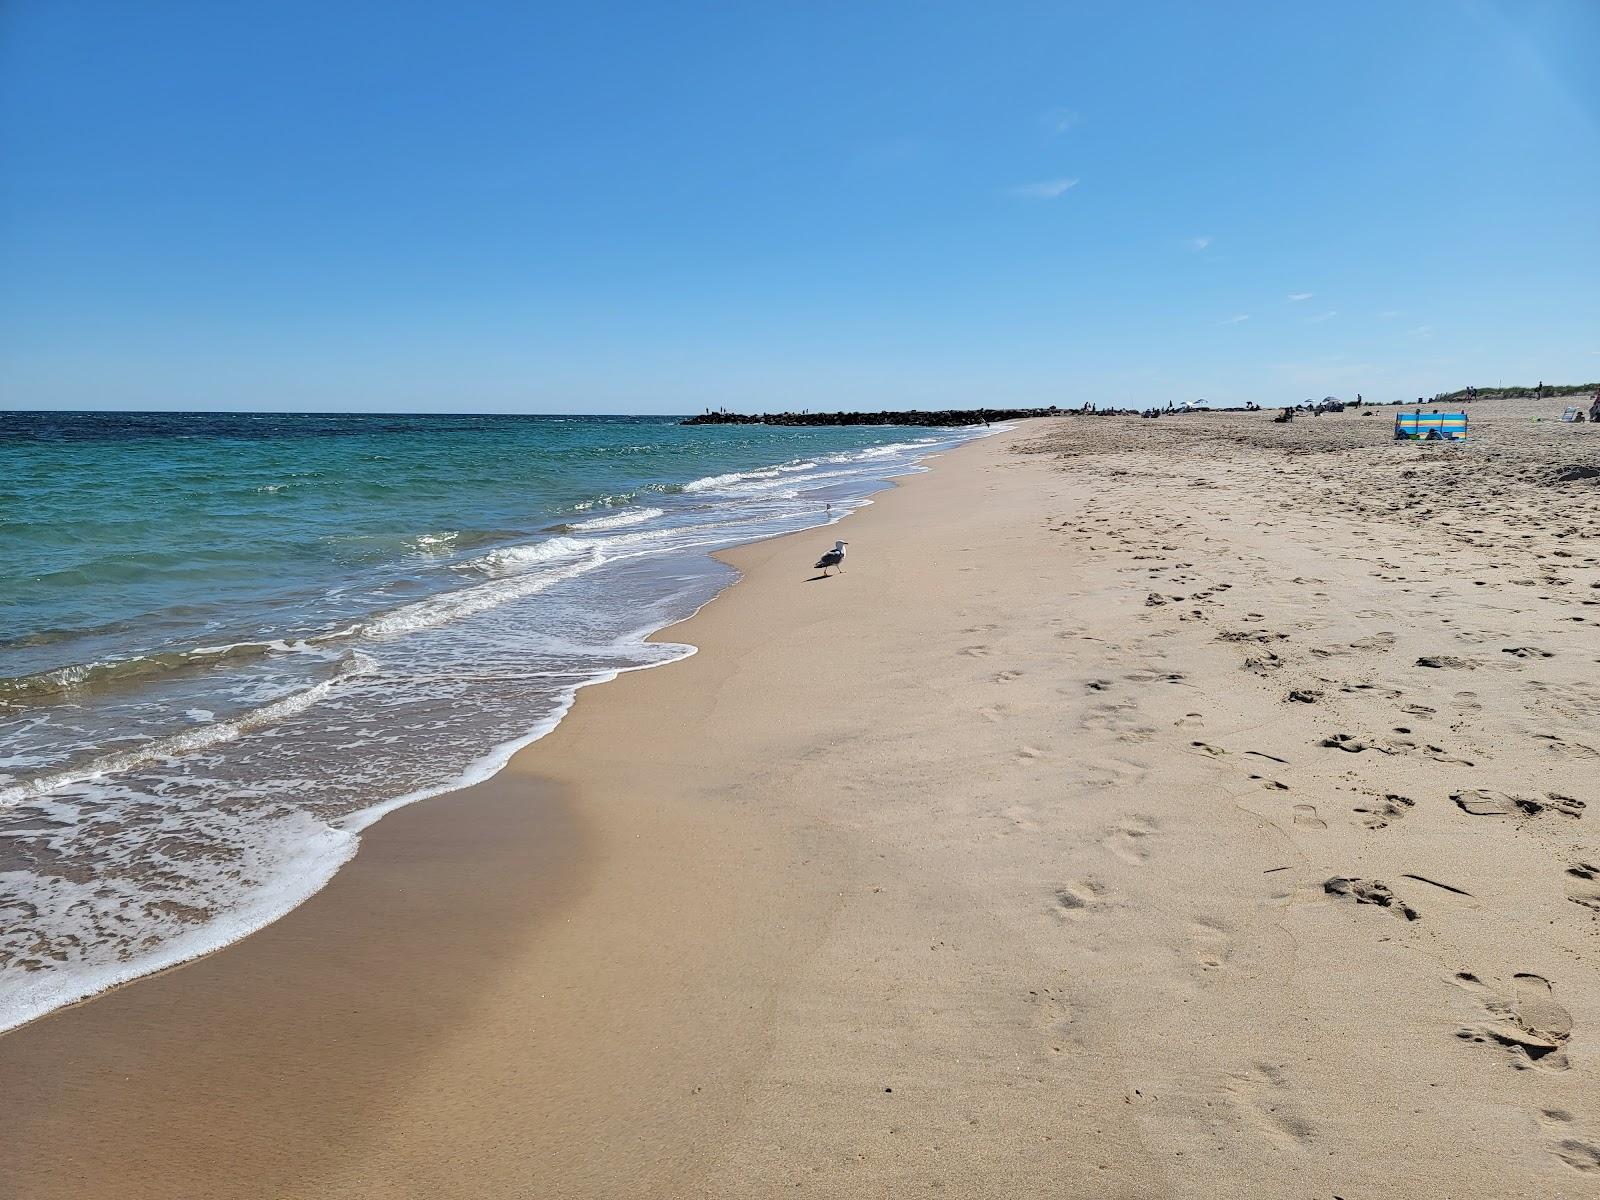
175 795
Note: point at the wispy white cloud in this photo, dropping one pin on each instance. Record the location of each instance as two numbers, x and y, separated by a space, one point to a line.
1198 244
1296 297
1327 316
1422 331
1045 189
1390 314
1059 120
1235 320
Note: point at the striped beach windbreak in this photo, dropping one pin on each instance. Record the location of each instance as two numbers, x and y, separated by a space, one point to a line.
1428 427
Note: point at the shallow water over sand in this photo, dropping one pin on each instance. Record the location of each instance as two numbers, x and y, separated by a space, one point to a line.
231 642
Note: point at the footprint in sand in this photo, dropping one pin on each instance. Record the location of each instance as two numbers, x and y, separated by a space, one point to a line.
1108 773
1119 719
1210 943
1527 652
1265 1097
1566 701
1566 749
1480 802
1305 815
1005 676
1370 891
1130 839
1580 1156
1378 641
1078 896
1021 817
1262 664
1367 689
1346 742
1583 885
1259 636
1155 677
1378 813
1052 1014
1528 1024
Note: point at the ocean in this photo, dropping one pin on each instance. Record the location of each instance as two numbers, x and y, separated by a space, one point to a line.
230 642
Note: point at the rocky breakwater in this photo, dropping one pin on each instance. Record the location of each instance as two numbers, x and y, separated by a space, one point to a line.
943 417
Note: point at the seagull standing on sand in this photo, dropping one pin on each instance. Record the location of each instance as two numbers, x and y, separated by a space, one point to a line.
833 558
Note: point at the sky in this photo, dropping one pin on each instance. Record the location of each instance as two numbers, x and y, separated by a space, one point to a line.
645 207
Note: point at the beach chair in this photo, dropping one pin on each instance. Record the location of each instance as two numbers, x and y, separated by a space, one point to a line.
1430 427
1570 414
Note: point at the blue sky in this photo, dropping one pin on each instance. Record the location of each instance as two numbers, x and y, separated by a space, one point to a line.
654 208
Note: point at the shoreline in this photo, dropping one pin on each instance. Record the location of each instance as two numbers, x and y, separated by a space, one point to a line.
343 836
1161 810
231 991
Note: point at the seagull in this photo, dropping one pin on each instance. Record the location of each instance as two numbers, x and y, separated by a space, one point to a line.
833 558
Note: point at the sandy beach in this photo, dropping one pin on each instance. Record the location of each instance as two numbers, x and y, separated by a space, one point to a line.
1192 807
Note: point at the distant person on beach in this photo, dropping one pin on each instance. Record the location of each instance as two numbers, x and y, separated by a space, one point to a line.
1594 408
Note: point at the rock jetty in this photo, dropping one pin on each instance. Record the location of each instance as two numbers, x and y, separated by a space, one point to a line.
948 416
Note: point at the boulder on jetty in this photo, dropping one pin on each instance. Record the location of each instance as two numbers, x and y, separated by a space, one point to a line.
943 417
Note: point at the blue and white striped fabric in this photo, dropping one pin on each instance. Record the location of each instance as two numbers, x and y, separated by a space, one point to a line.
1428 427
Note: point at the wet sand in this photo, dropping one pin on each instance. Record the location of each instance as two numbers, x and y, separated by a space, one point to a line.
1153 808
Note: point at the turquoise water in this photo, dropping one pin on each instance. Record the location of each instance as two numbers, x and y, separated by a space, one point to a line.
229 642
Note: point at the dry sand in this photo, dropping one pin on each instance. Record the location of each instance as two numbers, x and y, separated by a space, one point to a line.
1191 807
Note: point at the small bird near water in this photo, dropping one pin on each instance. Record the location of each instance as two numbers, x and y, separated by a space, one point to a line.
833 558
